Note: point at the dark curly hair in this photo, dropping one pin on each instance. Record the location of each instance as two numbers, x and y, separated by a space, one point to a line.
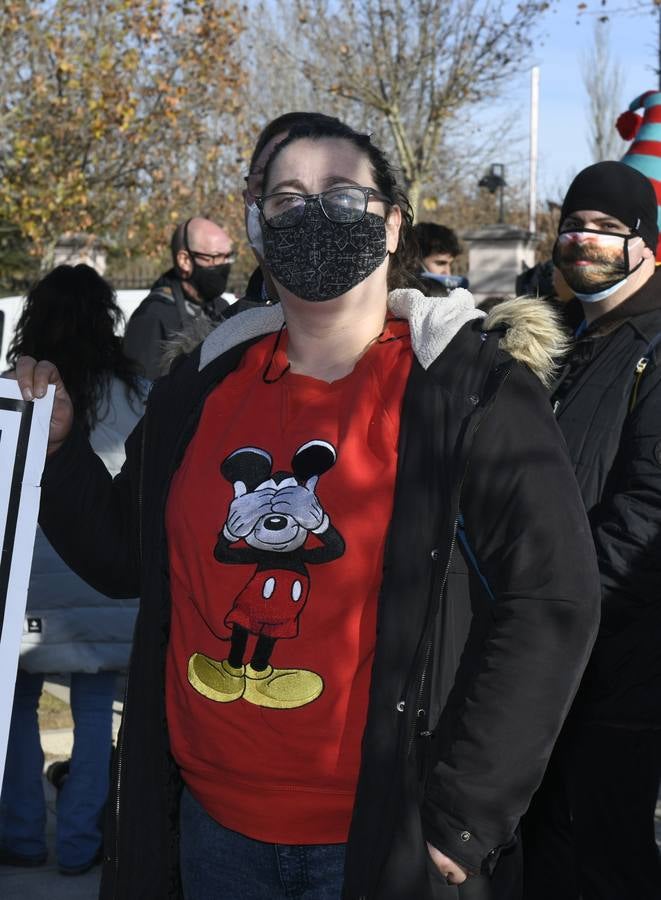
402 261
69 318
433 238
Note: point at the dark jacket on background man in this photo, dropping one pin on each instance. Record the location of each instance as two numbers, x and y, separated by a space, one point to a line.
255 296
195 330
165 311
611 419
472 676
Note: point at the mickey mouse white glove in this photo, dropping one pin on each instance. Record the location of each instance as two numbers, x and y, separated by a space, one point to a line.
301 503
246 510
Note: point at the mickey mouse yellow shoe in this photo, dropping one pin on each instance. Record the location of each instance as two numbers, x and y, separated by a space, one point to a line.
281 688
216 679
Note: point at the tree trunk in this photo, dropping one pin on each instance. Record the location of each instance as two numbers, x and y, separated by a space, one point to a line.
413 191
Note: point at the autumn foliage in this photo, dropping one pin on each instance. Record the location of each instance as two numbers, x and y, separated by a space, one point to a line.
117 118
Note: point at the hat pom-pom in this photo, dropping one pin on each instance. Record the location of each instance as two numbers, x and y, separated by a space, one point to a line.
628 125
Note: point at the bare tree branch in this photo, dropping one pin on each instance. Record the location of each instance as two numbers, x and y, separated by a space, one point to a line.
412 64
602 80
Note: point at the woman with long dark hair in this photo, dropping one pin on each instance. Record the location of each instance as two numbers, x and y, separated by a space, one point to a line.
368 586
71 317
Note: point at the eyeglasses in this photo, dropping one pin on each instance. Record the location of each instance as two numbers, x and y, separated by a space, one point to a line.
347 205
213 259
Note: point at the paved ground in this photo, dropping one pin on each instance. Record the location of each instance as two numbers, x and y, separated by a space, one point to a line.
46 883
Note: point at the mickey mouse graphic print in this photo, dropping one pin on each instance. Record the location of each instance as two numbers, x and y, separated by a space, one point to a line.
276 525
273 514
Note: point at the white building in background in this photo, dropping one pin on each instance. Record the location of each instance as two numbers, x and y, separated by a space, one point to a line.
72 249
497 255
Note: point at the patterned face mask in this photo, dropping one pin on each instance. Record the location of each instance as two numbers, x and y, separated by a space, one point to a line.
604 258
318 259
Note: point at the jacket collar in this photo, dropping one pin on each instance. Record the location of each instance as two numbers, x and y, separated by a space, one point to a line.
646 299
433 323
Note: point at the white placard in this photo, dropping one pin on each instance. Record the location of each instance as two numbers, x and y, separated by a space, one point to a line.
23 442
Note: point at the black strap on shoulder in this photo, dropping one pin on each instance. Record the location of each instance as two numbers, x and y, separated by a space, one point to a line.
180 302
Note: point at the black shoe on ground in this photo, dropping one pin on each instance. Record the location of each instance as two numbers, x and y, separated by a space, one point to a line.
58 772
85 867
9 858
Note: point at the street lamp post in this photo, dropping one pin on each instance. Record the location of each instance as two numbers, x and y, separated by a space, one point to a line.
494 181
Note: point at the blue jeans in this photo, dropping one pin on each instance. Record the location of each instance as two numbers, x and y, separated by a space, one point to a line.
81 800
219 864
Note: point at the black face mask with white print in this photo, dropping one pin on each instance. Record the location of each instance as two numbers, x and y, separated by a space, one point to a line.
319 260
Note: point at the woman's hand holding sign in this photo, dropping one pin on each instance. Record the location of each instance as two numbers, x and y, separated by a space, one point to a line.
33 378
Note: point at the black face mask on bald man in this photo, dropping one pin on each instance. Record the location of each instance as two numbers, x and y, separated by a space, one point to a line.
209 281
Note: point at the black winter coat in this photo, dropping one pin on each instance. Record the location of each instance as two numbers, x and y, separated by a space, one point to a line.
162 314
611 420
467 694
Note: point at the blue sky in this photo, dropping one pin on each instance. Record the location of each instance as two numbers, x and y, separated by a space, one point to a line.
563 147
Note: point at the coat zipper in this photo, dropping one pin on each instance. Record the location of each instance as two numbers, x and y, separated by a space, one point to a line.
429 644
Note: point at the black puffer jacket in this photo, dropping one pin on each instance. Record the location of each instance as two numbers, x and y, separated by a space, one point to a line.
611 420
468 693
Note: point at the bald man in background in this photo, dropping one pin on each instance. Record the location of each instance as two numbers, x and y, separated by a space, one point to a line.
202 254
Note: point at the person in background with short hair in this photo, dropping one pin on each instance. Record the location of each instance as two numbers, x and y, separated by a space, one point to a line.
70 317
202 255
438 248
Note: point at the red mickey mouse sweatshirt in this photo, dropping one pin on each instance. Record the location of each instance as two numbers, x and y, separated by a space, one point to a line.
282 572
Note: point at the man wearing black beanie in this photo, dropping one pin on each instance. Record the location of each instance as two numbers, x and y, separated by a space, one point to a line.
589 832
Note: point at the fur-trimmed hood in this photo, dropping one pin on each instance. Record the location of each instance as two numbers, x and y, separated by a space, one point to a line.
532 333
195 330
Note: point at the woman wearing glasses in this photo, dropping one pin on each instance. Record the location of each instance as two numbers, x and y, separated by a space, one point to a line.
260 288
368 585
